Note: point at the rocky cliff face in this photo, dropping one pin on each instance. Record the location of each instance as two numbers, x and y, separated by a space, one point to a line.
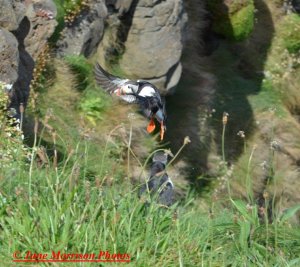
25 27
82 36
146 37
154 42
9 56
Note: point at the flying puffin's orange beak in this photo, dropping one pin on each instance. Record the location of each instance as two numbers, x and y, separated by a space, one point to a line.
151 126
162 131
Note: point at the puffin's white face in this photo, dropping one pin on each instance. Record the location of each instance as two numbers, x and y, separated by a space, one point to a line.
127 89
124 90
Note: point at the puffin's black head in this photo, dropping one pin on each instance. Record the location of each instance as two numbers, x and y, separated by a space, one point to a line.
160 156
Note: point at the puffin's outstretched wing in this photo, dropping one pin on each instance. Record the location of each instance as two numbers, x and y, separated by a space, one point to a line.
111 83
107 81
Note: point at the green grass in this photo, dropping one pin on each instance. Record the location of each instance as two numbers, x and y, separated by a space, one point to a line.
83 70
282 63
68 211
232 20
93 102
290 32
71 209
78 111
268 98
85 204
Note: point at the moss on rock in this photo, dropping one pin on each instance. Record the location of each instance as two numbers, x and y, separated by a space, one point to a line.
233 19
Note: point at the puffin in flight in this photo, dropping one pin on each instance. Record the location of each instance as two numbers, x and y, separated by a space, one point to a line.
141 92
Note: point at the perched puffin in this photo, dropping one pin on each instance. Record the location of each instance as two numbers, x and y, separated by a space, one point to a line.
159 184
141 92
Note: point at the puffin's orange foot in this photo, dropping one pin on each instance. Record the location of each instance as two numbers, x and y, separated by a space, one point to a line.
162 131
151 126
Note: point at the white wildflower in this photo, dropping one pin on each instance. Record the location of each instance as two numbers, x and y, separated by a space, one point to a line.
275 145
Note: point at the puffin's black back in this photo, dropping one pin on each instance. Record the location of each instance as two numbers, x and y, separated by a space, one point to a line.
149 105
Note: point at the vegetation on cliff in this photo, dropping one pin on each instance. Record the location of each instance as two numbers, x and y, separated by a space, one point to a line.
53 205
232 19
291 33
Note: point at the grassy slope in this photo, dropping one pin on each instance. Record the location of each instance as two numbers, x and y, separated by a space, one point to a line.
66 211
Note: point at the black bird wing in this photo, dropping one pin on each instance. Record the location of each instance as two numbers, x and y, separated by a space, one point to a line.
111 83
107 81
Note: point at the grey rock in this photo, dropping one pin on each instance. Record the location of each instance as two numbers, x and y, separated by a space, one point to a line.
154 42
41 14
84 35
146 40
109 47
32 22
168 82
19 9
9 57
11 14
123 5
